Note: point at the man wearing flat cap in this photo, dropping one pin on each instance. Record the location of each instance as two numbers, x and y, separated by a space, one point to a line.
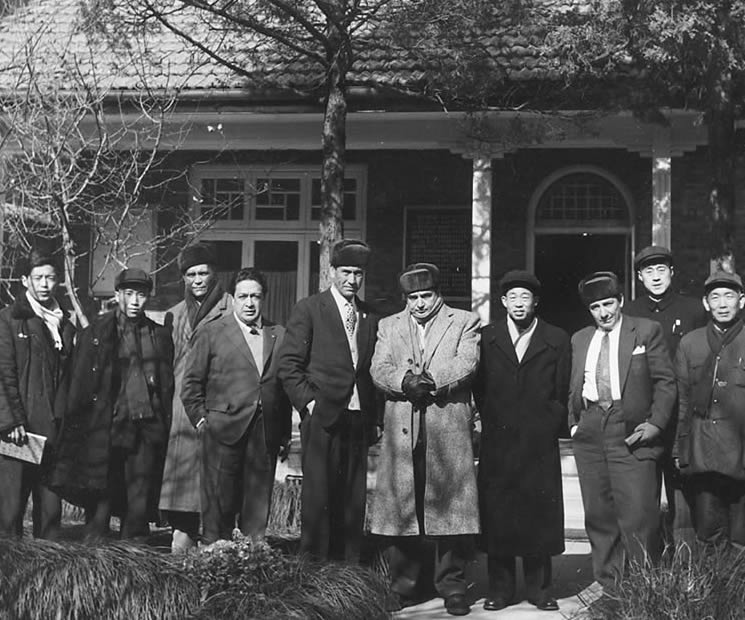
205 301
425 362
621 395
325 370
678 315
709 447
117 413
521 392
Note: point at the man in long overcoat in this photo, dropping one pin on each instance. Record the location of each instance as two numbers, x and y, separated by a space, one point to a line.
117 413
36 340
205 301
234 399
710 444
325 370
521 393
425 362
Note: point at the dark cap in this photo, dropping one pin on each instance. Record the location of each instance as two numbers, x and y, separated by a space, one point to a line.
196 254
653 255
350 253
519 277
419 277
723 279
599 285
134 278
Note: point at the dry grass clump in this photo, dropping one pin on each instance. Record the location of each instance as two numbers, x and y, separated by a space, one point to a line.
284 513
248 579
690 583
42 579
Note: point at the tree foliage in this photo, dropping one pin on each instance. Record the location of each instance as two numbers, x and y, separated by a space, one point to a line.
77 172
273 47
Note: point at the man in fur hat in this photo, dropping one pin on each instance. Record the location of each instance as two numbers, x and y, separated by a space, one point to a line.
117 413
205 301
325 370
621 396
425 362
521 393
36 339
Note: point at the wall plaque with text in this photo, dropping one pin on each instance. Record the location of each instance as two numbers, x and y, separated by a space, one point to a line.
442 235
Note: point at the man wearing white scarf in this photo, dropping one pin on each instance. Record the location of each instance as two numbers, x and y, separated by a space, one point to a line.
35 342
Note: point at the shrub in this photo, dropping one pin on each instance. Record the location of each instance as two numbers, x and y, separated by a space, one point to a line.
690 583
248 579
42 579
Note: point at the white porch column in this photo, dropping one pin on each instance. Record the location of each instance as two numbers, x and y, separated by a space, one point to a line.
481 237
661 188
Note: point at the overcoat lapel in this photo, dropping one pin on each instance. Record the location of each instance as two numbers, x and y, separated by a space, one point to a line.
502 341
626 344
440 324
537 343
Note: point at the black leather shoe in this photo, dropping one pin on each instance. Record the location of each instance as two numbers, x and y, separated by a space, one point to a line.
494 603
546 603
456 605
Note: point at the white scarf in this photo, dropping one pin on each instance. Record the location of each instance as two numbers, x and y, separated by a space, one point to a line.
521 341
52 318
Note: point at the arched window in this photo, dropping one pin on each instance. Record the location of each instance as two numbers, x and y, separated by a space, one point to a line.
582 199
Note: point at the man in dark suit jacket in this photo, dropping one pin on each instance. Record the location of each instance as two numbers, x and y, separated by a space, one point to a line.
234 399
325 369
621 395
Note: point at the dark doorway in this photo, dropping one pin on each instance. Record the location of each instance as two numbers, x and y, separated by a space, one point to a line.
561 261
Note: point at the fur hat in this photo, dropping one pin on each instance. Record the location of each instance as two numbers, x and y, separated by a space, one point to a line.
519 277
419 277
196 254
350 253
599 285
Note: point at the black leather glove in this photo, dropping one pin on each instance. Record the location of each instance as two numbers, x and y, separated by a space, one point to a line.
418 388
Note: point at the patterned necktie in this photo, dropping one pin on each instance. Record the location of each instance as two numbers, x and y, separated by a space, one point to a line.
602 374
350 320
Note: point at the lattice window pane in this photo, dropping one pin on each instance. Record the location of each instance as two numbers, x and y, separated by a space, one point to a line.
278 199
222 199
349 209
577 199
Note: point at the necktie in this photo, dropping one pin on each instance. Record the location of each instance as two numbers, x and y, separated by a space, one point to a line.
602 374
350 320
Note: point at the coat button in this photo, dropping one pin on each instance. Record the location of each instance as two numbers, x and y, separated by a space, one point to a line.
95 397
406 431
95 342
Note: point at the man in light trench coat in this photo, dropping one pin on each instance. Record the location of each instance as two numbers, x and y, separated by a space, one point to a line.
205 301
425 361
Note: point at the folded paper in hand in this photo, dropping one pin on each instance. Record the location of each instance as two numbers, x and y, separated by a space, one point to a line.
31 452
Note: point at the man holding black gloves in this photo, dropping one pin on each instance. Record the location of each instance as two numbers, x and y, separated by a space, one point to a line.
425 361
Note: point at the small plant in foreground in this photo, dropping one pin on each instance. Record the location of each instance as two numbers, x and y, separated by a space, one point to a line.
703 582
243 578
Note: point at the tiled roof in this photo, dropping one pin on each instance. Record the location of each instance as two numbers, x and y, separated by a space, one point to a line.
53 30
